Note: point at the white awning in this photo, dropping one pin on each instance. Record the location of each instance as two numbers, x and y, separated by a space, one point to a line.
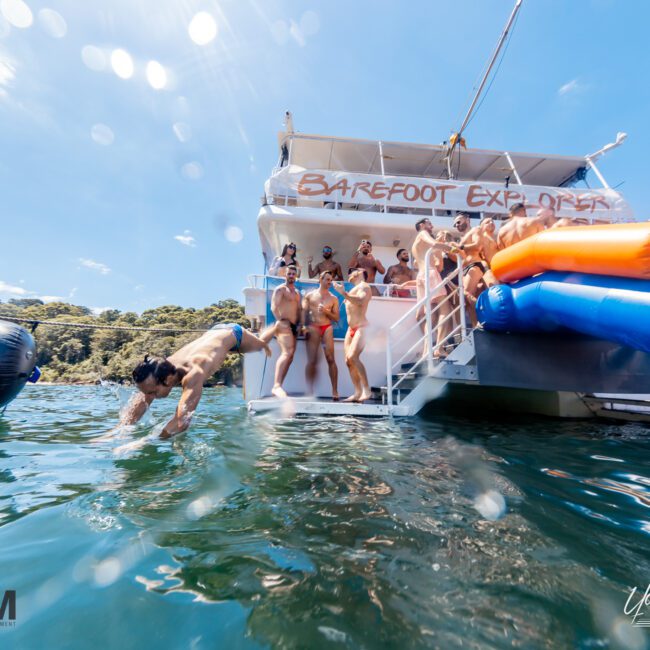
427 161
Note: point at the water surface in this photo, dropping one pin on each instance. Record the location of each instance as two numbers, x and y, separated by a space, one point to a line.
272 532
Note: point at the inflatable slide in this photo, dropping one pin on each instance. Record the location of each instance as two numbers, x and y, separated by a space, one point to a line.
590 279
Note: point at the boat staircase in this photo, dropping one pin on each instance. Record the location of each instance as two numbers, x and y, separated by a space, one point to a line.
441 350
417 375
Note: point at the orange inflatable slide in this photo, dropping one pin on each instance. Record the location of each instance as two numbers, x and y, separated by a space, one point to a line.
615 249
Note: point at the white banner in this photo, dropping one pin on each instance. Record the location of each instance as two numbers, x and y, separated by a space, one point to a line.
472 196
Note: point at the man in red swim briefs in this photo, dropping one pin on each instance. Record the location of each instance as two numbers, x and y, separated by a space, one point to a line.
356 306
322 308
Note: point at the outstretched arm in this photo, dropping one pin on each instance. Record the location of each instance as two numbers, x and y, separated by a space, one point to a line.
355 300
192 390
135 409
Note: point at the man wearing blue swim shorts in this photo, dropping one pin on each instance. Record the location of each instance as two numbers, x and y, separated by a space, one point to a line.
188 368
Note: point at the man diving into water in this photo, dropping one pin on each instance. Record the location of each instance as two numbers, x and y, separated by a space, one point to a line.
356 306
190 367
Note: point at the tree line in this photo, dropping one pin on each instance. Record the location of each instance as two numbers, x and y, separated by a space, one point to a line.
72 355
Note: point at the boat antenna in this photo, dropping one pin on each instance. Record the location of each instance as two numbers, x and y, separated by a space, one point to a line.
457 137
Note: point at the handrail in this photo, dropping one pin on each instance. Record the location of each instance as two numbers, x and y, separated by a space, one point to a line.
430 347
384 289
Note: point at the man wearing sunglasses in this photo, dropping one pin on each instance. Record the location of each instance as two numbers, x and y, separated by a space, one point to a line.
328 264
364 259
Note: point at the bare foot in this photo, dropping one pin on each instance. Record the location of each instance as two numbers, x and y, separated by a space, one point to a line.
335 397
279 392
366 394
353 398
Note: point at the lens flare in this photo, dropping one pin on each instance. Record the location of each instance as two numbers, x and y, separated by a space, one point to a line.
122 64
182 131
233 234
17 13
203 28
94 58
192 171
53 23
102 134
156 75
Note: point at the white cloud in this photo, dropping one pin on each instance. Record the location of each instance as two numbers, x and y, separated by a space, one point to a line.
186 239
138 287
13 290
95 266
100 310
569 87
53 298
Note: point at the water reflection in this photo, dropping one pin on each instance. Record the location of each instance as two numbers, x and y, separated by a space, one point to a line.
359 532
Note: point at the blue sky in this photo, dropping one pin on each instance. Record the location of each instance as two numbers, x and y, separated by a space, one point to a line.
118 194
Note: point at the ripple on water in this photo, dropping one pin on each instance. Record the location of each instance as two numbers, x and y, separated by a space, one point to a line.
313 532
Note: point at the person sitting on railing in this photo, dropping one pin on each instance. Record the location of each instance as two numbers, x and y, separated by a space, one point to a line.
424 242
328 264
399 274
519 226
364 259
288 258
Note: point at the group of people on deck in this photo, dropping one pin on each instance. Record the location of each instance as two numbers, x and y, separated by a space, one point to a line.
316 312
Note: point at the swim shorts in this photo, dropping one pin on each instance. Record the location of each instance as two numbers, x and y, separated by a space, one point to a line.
235 328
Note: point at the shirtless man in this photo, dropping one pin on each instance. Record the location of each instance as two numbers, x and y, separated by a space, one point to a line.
356 306
478 247
286 307
423 242
328 264
462 224
321 306
364 259
188 368
488 228
519 226
400 273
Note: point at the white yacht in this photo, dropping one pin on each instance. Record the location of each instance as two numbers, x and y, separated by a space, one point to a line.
336 191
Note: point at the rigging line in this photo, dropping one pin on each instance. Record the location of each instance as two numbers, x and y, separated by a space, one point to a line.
502 38
90 326
496 72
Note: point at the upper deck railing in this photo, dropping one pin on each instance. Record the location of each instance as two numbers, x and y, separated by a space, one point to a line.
392 177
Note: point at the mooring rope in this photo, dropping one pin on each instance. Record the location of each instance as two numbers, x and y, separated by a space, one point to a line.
89 326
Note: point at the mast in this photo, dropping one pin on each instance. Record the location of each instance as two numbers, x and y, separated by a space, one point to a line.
456 137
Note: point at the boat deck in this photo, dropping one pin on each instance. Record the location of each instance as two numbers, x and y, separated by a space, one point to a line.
317 406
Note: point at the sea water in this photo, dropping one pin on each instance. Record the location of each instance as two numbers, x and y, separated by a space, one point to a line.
278 532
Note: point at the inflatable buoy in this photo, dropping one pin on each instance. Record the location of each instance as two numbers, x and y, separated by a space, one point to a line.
17 360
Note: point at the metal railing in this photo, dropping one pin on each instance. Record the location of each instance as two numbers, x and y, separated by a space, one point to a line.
382 290
424 312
